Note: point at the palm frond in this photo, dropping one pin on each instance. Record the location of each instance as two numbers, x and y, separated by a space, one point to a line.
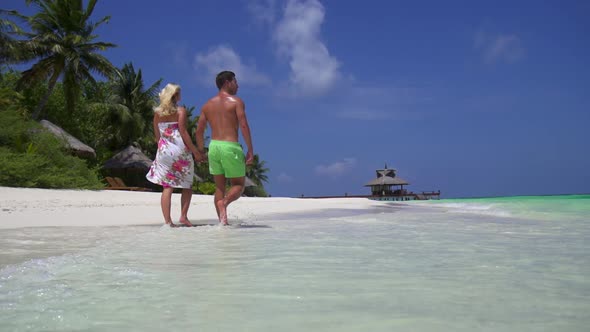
98 64
40 71
89 8
105 19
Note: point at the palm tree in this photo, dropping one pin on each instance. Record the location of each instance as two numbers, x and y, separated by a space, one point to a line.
7 42
12 49
192 121
62 39
130 108
257 172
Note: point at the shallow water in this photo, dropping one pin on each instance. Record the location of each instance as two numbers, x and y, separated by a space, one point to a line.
439 266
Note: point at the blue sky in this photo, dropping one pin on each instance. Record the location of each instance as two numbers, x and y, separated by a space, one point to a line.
473 98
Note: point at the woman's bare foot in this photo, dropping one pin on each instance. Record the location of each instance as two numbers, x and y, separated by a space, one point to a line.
222 212
171 224
185 222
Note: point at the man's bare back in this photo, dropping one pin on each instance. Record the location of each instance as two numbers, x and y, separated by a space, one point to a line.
226 114
221 113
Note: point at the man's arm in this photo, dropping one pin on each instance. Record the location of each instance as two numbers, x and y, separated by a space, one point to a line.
245 128
200 131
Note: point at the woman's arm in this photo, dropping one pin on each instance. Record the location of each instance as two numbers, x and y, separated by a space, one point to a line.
156 129
186 138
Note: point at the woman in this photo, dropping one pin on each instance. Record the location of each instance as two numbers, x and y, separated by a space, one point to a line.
173 166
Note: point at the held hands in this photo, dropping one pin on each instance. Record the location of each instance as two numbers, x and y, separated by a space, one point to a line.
199 156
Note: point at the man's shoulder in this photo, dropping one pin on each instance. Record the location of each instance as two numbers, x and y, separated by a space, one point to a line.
212 99
235 99
209 102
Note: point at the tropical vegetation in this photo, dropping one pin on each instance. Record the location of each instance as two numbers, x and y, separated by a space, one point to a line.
68 81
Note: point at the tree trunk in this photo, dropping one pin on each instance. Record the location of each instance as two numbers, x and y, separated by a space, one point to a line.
45 98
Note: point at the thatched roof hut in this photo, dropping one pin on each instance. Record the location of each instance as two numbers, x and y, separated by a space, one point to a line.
79 148
385 182
129 158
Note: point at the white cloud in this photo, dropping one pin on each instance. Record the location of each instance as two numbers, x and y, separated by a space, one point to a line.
337 168
297 37
284 178
506 48
223 57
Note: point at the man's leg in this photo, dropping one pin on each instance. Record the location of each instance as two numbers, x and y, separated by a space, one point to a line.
218 198
236 190
165 202
185 203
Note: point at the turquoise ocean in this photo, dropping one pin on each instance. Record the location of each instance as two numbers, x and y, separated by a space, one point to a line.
487 264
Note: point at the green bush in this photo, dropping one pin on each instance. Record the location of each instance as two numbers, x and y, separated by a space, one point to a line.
40 170
13 127
206 188
19 169
257 191
32 157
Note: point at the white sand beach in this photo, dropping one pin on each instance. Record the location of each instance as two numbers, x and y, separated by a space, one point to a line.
25 207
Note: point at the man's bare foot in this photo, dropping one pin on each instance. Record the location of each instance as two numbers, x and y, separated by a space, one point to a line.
185 222
222 212
172 225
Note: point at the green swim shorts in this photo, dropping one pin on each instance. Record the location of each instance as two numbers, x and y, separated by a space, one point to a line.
226 158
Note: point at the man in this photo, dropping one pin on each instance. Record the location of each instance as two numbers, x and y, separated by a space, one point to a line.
226 114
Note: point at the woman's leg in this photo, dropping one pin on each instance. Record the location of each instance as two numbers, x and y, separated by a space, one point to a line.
185 203
166 202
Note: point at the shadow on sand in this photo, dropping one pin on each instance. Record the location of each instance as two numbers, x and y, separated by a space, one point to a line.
236 225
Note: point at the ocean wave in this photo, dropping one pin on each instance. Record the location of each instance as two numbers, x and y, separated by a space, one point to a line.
471 208
558 208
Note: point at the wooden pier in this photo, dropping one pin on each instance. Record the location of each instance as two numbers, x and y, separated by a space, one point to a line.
410 196
387 186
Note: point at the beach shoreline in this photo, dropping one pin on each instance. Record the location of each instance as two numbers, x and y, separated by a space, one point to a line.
289 256
33 207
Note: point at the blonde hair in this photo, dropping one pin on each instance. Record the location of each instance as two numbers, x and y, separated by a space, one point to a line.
168 98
